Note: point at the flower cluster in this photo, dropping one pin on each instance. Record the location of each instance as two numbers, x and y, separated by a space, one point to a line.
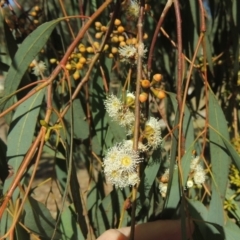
152 133
197 173
131 52
133 9
119 111
121 161
120 165
38 67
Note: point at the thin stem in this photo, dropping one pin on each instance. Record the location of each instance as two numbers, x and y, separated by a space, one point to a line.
137 109
159 24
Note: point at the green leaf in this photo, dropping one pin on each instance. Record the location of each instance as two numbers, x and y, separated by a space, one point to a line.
200 215
21 132
10 41
147 182
28 50
80 124
188 134
39 220
232 231
69 226
219 160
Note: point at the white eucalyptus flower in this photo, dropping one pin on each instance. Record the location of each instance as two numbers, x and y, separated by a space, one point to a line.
120 165
199 177
39 68
163 189
152 133
133 9
189 183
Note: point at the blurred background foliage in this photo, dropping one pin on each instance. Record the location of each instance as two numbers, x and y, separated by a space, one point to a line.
78 132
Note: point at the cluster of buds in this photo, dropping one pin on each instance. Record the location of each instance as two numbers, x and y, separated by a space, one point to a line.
153 87
76 61
23 25
234 177
236 144
120 44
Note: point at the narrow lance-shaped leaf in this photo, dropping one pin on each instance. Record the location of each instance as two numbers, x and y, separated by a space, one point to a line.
219 159
23 57
22 131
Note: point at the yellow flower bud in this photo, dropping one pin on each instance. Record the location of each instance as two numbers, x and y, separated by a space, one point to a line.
76 75
96 45
145 36
53 60
121 38
160 94
110 55
68 66
33 14
89 49
117 22
134 41
157 77
120 29
122 44
114 39
98 24
143 97
114 50
79 65
104 28
98 35
145 83
82 60
106 46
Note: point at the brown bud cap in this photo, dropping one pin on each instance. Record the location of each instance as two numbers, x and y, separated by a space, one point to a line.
145 83
147 7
